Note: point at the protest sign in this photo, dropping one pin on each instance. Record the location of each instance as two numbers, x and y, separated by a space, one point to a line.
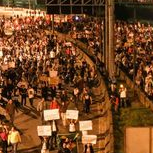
51 114
53 73
44 130
85 125
43 78
11 64
92 139
72 114
53 80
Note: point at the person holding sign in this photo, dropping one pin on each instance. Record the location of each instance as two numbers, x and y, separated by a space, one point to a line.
54 104
72 126
41 106
45 145
64 105
88 148
53 138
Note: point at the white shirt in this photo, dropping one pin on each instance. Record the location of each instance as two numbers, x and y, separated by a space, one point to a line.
123 93
72 127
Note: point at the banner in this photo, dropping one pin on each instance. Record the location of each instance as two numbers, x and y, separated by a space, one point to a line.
72 114
44 130
85 125
51 114
92 139
53 73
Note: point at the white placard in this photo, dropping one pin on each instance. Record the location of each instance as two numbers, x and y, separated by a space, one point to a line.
72 114
51 114
53 73
85 125
92 139
44 130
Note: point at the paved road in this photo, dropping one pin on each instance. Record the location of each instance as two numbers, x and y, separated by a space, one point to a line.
28 119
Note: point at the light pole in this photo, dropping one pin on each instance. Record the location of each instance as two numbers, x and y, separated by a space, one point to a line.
29 2
111 56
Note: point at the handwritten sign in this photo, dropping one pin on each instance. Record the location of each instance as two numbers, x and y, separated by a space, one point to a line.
72 114
85 125
51 114
53 73
44 130
92 139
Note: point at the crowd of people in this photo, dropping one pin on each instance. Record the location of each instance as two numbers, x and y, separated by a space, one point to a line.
133 53
27 55
86 30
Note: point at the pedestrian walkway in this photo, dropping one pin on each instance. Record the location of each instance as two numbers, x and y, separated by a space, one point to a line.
27 119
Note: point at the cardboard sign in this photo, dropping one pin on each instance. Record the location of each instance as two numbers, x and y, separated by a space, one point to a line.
53 80
11 64
53 73
51 114
85 125
92 139
44 130
4 67
43 78
72 114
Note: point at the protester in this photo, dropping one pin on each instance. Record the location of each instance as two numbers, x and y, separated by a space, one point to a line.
14 139
31 94
53 138
54 104
4 137
10 109
123 96
41 106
